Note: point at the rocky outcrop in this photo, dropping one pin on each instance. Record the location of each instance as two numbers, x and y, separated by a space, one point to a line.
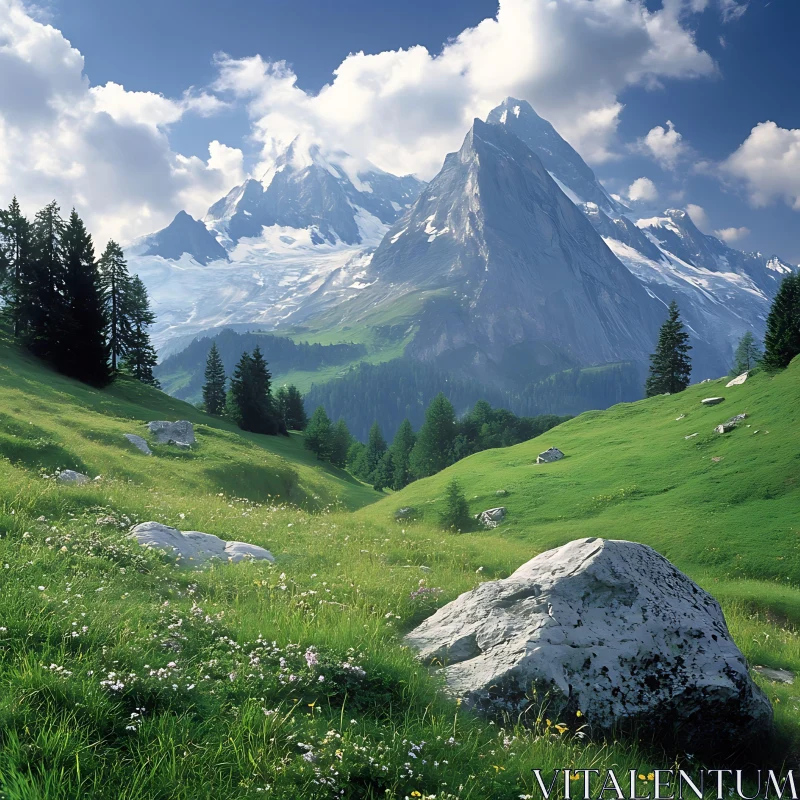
607 628
180 433
492 517
73 477
738 381
553 454
194 546
139 443
727 427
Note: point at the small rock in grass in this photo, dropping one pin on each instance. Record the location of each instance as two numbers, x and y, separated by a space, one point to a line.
180 433
492 517
712 401
775 675
737 381
72 477
139 443
690 436
553 454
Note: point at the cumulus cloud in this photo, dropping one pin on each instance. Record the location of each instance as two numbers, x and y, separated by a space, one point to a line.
102 149
768 163
731 235
642 190
698 216
665 145
405 109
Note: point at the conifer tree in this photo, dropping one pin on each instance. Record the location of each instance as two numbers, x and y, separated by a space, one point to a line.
782 339
291 408
250 398
116 284
455 513
382 476
214 387
16 265
433 450
340 444
376 447
80 348
140 355
747 354
670 365
318 434
401 448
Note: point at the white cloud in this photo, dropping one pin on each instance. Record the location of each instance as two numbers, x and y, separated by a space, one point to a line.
732 9
102 149
768 163
405 109
642 190
698 216
665 145
731 235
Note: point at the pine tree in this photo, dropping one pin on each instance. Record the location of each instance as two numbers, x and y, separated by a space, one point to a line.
116 284
291 408
250 401
340 444
433 450
401 448
455 513
382 476
376 447
81 349
747 354
356 459
782 339
318 435
140 355
214 387
670 365
236 398
16 265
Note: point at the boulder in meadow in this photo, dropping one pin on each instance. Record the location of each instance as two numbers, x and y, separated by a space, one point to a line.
180 433
552 454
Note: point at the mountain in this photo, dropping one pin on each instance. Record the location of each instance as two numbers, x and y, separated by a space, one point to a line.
573 175
183 236
507 276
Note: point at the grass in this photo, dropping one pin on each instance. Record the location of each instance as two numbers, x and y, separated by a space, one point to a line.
122 676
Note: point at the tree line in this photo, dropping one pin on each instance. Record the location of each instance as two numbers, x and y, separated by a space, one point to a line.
88 317
671 365
442 440
247 398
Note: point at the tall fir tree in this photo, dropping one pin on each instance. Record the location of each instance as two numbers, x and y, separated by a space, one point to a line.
318 434
291 408
376 447
433 450
140 355
670 365
782 339
402 445
115 281
250 401
237 392
16 255
747 354
81 350
214 387
340 444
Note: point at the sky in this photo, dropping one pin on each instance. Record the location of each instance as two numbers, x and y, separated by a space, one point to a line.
133 111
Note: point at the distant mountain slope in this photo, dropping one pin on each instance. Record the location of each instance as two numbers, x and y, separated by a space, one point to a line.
183 236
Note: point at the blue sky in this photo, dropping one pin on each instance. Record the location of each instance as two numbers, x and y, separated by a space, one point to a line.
609 77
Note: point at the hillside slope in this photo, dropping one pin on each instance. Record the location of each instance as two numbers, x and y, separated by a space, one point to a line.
728 505
49 422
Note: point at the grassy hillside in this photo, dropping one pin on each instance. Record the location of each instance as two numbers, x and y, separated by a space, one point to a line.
122 676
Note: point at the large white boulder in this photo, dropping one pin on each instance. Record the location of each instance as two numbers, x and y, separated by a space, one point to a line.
180 433
607 628
195 546
738 380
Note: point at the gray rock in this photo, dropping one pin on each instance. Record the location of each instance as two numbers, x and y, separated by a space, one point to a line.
75 478
690 436
728 426
609 628
501 493
195 546
553 454
405 513
139 443
492 517
180 433
775 675
712 401
737 381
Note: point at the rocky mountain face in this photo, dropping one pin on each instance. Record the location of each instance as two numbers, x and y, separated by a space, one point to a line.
510 276
183 235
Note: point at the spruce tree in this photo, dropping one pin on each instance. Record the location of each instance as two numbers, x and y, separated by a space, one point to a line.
214 387
455 512
340 444
382 476
747 354
433 450
401 448
116 284
318 434
296 419
81 350
356 459
670 365
140 355
376 447
250 401
782 339
236 399
16 255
